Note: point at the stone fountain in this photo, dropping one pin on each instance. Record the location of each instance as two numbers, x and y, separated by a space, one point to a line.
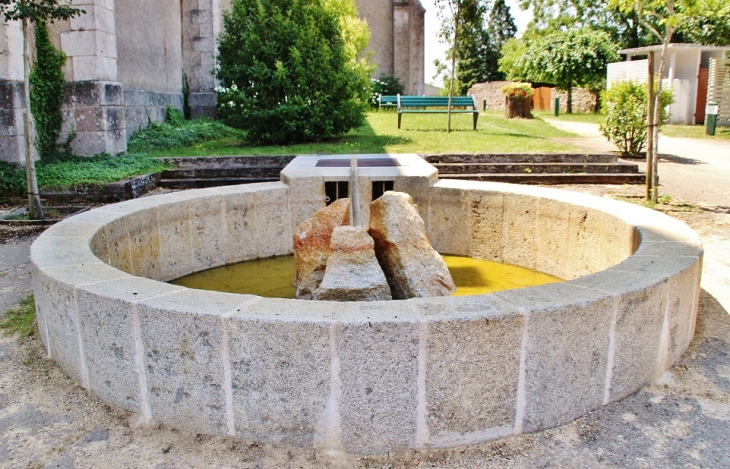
376 376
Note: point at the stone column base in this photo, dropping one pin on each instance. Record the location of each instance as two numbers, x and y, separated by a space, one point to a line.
12 107
203 104
142 107
94 110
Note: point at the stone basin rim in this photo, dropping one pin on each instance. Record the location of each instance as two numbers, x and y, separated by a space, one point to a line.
658 274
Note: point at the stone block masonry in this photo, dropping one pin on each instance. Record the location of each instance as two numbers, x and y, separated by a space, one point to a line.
377 376
131 55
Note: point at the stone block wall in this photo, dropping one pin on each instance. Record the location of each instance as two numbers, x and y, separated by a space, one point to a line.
490 91
583 99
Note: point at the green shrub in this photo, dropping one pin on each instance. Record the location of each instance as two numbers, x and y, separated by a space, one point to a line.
292 70
624 104
46 93
177 132
386 85
12 180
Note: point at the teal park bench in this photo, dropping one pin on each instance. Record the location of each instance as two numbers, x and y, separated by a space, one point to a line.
426 105
387 101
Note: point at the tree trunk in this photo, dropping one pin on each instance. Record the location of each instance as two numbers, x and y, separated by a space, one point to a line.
35 211
570 100
650 154
517 106
453 69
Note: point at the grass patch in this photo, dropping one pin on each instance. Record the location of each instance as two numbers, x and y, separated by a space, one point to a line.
590 117
20 320
177 132
420 133
95 170
694 131
77 171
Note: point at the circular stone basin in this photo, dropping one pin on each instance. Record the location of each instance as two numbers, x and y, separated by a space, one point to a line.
367 377
274 277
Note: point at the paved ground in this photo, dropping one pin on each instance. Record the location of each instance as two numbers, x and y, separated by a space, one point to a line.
681 421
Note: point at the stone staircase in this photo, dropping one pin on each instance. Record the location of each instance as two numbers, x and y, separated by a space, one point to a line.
516 168
222 171
604 168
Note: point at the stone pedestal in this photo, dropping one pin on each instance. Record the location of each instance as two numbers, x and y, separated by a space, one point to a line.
94 110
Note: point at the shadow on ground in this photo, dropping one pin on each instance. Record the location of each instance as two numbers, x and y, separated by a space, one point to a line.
679 159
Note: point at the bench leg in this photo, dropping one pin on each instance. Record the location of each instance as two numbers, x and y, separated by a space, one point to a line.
476 118
399 116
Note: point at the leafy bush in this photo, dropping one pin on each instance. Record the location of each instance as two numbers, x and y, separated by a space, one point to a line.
177 132
12 180
292 70
624 104
518 89
386 85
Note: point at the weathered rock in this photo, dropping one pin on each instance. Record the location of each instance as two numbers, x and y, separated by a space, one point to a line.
353 272
312 246
413 268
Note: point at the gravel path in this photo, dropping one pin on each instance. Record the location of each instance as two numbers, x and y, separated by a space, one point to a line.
683 420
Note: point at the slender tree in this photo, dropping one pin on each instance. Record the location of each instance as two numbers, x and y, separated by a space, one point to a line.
563 58
500 28
30 12
669 15
458 17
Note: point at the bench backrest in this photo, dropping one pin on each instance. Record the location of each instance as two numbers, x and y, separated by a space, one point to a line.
436 101
387 100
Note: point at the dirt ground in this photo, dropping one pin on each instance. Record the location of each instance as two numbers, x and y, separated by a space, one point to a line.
683 420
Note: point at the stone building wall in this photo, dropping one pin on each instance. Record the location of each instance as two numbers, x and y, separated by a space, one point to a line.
149 60
12 99
126 60
397 40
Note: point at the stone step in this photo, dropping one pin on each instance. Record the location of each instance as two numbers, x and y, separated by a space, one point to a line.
523 158
534 168
196 183
228 161
223 172
561 178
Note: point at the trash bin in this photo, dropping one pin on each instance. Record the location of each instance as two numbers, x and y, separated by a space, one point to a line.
557 107
711 117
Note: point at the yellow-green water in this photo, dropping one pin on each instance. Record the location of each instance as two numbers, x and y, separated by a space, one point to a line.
274 277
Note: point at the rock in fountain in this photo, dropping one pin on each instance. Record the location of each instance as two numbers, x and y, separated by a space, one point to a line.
413 268
312 246
353 272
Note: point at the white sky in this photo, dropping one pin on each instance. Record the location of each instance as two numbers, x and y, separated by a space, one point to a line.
437 50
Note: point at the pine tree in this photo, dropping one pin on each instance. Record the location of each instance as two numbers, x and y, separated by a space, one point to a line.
501 29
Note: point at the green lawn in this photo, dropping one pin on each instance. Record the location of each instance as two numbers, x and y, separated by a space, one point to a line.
694 131
420 133
591 118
